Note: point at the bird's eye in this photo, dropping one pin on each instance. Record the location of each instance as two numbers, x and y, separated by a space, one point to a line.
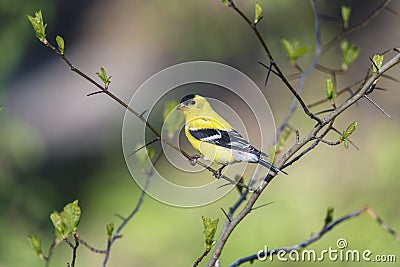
192 102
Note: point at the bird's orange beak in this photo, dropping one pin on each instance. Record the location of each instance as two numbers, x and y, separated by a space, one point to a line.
182 107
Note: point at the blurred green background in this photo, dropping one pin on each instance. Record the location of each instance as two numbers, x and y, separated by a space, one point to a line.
58 145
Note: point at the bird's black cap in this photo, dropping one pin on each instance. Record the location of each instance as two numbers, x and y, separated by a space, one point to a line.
186 98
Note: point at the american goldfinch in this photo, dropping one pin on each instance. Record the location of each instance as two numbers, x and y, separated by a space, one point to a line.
215 138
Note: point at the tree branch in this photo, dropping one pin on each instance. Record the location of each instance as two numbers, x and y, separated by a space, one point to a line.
316 237
117 233
293 103
105 90
271 59
369 18
294 149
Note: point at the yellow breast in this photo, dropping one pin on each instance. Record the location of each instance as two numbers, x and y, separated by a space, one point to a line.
210 151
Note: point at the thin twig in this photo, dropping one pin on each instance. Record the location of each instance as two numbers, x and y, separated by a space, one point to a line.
312 239
205 253
105 90
117 233
296 147
293 103
346 89
50 253
228 229
358 26
308 149
316 237
272 61
76 238
91 248
74 247
331 143
348 139
385 226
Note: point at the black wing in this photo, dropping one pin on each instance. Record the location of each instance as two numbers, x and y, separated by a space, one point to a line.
213 136
229 139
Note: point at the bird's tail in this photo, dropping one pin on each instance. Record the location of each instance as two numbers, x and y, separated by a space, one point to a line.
265 163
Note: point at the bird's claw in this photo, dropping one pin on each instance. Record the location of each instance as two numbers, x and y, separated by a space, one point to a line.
218 173
193 159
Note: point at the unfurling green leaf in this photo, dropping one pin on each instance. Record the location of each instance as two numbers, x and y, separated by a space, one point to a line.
67 220
293 50
36 244
346 12
58 225
103 76
71 216
378 61
349 53
225 2
173 119
210 227
330 90
110 229
60 43
38 25
346 143
329 215
350 129
257 13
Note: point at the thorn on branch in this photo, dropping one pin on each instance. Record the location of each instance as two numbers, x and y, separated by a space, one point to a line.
269 68
377 106
142 114
143 146
221 186
229 217
119 216
95 93
375 66
325 111
390 78
391 11
261 206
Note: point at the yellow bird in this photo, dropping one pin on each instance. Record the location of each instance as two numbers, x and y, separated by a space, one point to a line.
215 138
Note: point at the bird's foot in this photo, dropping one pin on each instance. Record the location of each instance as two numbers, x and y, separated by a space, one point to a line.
218 173
193 159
